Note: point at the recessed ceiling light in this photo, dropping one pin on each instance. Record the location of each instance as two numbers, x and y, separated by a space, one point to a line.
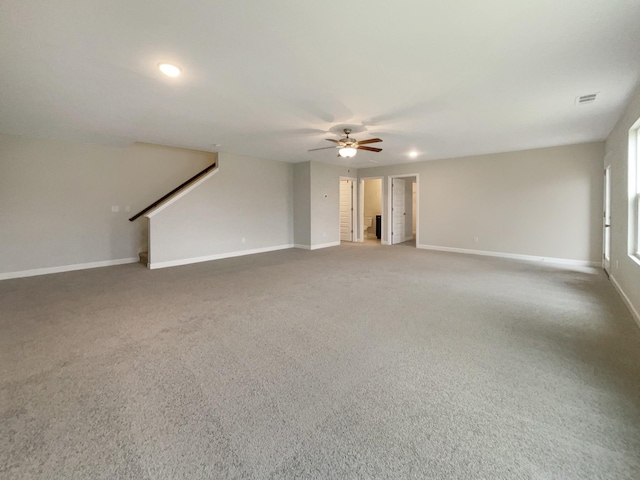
413 154
169 70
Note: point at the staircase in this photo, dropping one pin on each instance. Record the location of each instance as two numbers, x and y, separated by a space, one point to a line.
173 195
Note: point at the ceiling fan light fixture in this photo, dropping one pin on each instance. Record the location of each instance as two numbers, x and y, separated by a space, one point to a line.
347 152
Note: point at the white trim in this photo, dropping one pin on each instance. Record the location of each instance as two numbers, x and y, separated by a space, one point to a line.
515 256
636 217
384 242
606 217
633 186
417 209
316 247
625 299
324 245
182 193
219 256
67 268
360 210
354 210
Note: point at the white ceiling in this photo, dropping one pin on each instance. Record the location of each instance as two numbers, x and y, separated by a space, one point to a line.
270 79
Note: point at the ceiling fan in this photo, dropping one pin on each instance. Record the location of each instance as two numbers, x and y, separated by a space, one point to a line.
348 147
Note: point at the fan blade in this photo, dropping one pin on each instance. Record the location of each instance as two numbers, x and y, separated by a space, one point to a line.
371 149
371 140
332 140
323 148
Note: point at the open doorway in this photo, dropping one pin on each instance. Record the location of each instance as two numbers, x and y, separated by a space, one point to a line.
347 210
371 209
403 210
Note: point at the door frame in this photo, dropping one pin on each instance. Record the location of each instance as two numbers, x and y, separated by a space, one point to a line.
354 197
606 219
361 205
389 206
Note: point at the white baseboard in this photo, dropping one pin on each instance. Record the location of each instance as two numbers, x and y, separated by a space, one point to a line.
316 247
67 268
384 242
625 299
324 245
515 256
219 256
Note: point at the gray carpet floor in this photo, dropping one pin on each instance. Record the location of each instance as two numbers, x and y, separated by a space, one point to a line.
359 361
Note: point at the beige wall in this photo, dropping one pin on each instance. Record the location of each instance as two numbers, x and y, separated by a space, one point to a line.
247 198
543 202
372 198
302 204
408 201
56 199
625 271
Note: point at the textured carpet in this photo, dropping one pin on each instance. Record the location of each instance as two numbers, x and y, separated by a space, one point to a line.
359 361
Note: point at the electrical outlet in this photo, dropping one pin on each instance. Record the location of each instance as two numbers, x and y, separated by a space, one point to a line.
244 240
115 208
475 239
616 264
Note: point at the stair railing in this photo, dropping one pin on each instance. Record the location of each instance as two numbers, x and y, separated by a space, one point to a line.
175 190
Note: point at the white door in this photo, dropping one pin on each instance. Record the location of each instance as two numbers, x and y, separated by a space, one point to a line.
607 221
398 210
346 210
413 210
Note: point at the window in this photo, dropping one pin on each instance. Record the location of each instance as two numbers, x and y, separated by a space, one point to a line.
634 190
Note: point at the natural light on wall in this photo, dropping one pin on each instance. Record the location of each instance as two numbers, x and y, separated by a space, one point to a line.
634 190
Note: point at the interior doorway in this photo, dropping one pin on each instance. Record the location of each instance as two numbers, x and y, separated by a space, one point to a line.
370 217
403 205
347 211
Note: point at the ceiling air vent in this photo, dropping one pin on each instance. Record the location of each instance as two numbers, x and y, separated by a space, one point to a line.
584 99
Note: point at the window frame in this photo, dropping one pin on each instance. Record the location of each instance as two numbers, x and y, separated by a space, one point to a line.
634 192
